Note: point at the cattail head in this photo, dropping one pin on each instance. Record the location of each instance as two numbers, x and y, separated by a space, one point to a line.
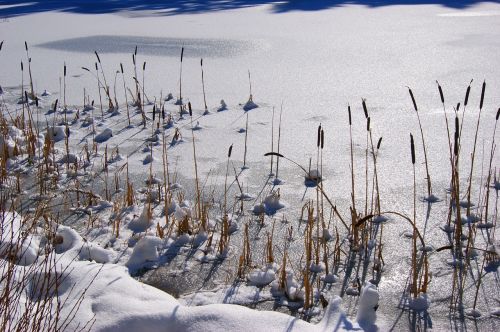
413 100
363 101
182 53
230 151
121 67
22 66
55 105
135 51
466 101
368 124
26 46
64 69
97 55
482 95
322 139
190 109
1 44
154 112
440 92
349 112
133 58
318 141
458 107
412 148
85 68
379 142
498 114
457 137
201 62
96 68
144 66
36 101
26 95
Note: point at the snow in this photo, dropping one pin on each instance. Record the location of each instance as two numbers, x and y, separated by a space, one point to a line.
104 135
368 304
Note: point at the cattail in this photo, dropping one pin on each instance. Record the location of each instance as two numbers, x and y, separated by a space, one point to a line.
144 66
379 142
412 147
349 112
64 69
121 67
182 53
97 55
368 124
190 109
467 95
230 151
86 69
482 95
318 142
55 105
133 58
364 108
22 66
440 92
413 100
322 138
455 150
498 114
96 68
1 44
26 46
135 51
154 112
458 107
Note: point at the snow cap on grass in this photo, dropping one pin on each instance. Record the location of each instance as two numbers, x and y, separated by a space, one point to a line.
104 135
368 304
146 250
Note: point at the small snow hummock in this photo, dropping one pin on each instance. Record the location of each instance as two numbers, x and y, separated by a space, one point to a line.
57 133
420 303
143 222
104 135
368 304
261 277
145 251
250 105
223 106
270 205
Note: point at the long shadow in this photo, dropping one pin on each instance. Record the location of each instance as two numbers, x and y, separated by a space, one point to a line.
12 8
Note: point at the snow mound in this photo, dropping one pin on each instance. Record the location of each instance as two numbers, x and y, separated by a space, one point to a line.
146 250
261 278
368 304
72 244
104 135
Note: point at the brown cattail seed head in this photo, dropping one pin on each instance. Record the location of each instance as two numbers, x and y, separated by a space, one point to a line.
440 92
412 148
363 101
482 95
466 101
413 100
349 112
